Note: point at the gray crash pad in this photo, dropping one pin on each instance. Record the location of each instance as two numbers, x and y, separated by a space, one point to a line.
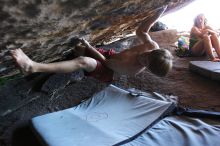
180 131
206 68
111 117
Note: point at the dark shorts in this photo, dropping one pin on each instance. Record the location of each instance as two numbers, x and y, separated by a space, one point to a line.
192 42
102 72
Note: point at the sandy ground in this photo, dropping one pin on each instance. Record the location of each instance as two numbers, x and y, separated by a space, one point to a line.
45 93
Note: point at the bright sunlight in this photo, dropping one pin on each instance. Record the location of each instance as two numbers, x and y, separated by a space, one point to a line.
182 20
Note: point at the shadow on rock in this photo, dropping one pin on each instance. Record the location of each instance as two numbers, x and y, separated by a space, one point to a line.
23 136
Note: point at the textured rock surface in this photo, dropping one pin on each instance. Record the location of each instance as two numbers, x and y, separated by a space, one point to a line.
46 93
40 26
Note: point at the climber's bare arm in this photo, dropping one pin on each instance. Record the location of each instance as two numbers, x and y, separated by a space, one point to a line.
92 51
143 29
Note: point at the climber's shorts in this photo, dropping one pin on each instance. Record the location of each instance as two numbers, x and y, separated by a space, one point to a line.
102 72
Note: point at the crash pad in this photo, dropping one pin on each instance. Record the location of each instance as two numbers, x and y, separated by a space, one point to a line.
208 69
111 117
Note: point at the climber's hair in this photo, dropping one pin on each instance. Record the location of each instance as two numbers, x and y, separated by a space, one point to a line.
160 62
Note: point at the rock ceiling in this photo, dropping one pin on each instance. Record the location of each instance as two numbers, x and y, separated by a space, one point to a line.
39 26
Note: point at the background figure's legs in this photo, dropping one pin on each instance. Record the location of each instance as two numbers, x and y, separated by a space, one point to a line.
204 46
215 44
198 48
208 46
